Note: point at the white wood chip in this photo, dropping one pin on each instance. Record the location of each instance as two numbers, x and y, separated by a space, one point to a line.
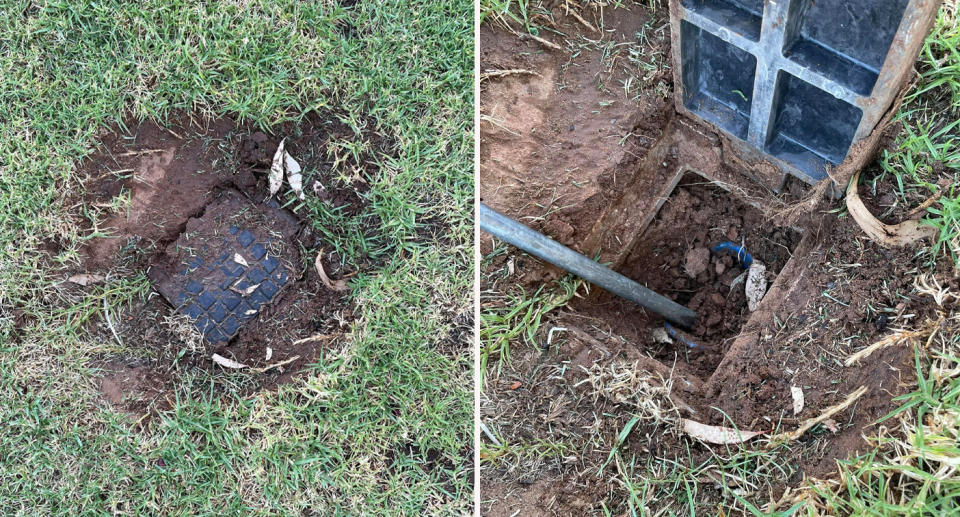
227 363
756 285
797 395
240 260
716 434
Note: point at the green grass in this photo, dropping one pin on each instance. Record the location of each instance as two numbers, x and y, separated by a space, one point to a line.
514 315
928 148
337 441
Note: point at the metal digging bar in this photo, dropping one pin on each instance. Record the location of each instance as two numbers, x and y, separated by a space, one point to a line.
545 248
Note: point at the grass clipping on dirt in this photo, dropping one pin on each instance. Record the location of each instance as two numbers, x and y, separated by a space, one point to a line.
914 467
382 424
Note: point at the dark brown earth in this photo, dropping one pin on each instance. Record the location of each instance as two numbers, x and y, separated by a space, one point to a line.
170 174
590 177
678 242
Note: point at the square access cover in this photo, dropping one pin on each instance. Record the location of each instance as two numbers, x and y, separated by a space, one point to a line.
797 81
228 264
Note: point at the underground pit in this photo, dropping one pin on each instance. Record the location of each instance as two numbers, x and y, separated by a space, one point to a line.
675 256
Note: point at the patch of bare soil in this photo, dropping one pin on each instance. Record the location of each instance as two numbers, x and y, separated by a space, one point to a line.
555 144
831 293
148 190
852 292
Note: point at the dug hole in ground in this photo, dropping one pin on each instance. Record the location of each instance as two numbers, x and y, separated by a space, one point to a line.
589 404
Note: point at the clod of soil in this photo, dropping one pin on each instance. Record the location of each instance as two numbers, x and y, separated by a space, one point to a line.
696 261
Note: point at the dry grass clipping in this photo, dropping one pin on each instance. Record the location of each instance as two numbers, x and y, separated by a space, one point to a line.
917 462
625 383
810 422
899 335
181 326
495 74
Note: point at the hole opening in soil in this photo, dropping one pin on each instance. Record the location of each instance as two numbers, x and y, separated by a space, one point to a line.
675 257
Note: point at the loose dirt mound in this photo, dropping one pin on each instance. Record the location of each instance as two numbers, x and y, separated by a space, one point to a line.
145 195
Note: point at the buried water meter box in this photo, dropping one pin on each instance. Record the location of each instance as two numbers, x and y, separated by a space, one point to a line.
795 82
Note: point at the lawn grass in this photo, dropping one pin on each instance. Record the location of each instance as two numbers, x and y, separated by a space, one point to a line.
382 426
515 314
927 148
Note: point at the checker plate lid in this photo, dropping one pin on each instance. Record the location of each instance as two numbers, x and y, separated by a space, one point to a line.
228 265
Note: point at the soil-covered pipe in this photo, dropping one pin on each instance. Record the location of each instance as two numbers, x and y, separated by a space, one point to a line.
545 248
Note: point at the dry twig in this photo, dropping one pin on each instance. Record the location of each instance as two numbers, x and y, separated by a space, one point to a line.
495 74
826 415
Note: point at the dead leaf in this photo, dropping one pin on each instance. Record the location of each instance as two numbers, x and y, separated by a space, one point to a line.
756 285
240 260
293 174
797 395
245 292
86 279
338 285
831 425
515 385
907 232
276 169
227 363
716 434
